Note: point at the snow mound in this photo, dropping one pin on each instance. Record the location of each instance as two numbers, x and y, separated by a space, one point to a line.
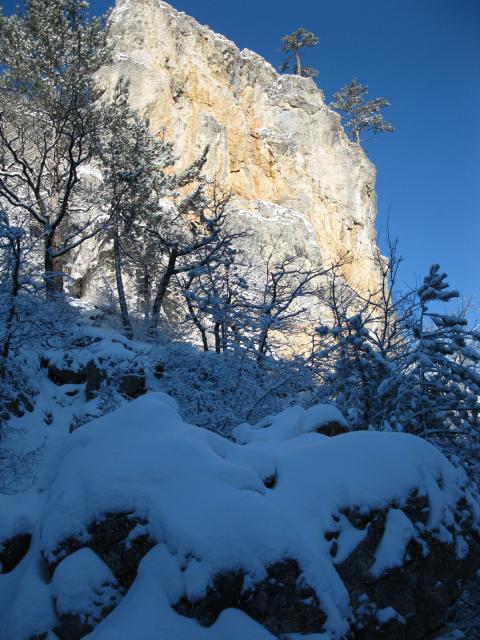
211 506
290 423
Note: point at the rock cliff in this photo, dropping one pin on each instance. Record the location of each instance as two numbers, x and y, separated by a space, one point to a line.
273 141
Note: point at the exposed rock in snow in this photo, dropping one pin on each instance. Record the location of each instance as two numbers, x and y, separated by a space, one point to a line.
85 591
365 533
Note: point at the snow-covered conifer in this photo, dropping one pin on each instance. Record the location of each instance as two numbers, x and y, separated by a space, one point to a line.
438 390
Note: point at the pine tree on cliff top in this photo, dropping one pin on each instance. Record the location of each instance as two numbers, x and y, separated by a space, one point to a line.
358 114
293 43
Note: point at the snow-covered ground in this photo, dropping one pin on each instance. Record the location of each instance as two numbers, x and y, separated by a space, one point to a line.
212 505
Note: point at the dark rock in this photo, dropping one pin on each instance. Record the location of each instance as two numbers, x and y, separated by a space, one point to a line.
95 376
421 590
225 593
270 481
13 550
72 627
110 538
18 405
281 602
66 375
332 428
132 385
159 370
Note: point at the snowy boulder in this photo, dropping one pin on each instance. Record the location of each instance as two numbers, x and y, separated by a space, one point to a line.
65 371
95 376
132 385
99 359
120 539
403 577
364 535
324 419
84 591
282 602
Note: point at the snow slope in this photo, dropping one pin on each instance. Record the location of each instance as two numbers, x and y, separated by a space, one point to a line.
212 505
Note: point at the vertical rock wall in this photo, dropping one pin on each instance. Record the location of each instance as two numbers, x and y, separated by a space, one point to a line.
273 141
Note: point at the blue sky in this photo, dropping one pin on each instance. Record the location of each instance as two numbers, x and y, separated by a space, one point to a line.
422 55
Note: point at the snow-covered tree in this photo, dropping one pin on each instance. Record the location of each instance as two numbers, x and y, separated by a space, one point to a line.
215 296
358 114
352 369
438 388
133 161
191 236
49 120
281 297
293 43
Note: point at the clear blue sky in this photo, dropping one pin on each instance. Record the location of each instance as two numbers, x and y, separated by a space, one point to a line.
422 55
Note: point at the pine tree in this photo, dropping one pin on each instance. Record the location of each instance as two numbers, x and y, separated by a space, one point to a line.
293 43
49 120
357 372
439 388
360 115
133 161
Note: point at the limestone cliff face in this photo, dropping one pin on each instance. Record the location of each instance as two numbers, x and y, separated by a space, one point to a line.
273 141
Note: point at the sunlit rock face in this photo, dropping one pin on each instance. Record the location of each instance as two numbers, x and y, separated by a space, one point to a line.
273 140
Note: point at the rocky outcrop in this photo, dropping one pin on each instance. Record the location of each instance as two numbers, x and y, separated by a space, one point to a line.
130 382
412 599
397 601
119 539
282 602
274 143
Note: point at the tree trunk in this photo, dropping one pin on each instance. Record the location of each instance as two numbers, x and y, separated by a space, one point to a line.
53 268
11 310
198 324
262 345
224 337
298 64
216 332
262 342
162 290
146 293
127 326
